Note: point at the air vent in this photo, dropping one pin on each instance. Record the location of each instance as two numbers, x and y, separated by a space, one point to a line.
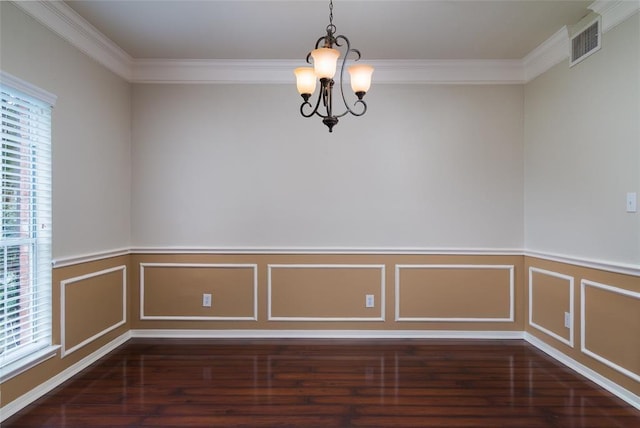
586 40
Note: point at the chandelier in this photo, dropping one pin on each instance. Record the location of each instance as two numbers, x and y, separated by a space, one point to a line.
325 61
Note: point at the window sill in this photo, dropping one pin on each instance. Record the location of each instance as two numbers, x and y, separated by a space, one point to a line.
22 365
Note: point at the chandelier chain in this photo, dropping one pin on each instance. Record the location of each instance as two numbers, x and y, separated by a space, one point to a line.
330 12
331 29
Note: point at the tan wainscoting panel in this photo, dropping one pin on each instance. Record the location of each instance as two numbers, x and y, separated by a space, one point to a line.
325 292
455 293
92 305
173 291
551 295
610 326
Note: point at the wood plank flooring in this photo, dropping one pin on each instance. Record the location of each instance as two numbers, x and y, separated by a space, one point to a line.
327 383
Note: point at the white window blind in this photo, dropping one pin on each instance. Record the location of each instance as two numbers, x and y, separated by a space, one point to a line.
25 220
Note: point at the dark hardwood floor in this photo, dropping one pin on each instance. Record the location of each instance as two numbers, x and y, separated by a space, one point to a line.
327 383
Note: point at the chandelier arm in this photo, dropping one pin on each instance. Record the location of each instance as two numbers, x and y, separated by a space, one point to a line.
348 51
315 109
352 111
321 39
364 108
327 83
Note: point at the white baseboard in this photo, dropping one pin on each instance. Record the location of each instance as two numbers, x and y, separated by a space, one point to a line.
325 334
37 392
590 374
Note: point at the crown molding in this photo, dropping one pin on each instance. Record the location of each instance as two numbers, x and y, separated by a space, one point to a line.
281 71
213 71
449 71
614 12
65 22
552 51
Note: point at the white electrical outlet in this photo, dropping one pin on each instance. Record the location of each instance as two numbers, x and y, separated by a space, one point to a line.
567 320
369 301
206 300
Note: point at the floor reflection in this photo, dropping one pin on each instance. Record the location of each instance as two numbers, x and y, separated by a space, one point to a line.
328 383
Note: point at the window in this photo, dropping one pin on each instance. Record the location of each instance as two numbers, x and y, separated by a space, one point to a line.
25 222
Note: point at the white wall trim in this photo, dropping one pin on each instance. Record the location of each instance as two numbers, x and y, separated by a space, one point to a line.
24 364
65 22
556 48
325 334
28 88
623 268
213 71
89 257
280 71
583 317
40 390
380 304
330 250
252 266
471 72
63 288
546 331
590 374
609 266
400 318
551 52
614 12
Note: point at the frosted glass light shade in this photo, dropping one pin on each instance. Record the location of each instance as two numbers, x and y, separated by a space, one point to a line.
360 77
324 62
305 80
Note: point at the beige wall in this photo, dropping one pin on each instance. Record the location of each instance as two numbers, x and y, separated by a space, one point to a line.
173 291
551 300
278 292
95 313
610 320
91 305
327 292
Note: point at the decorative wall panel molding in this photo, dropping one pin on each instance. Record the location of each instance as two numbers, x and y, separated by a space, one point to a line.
532 307
309 284
454 305
620 330
65 307
206 284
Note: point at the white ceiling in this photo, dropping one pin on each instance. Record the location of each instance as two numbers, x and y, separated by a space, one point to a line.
380 29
